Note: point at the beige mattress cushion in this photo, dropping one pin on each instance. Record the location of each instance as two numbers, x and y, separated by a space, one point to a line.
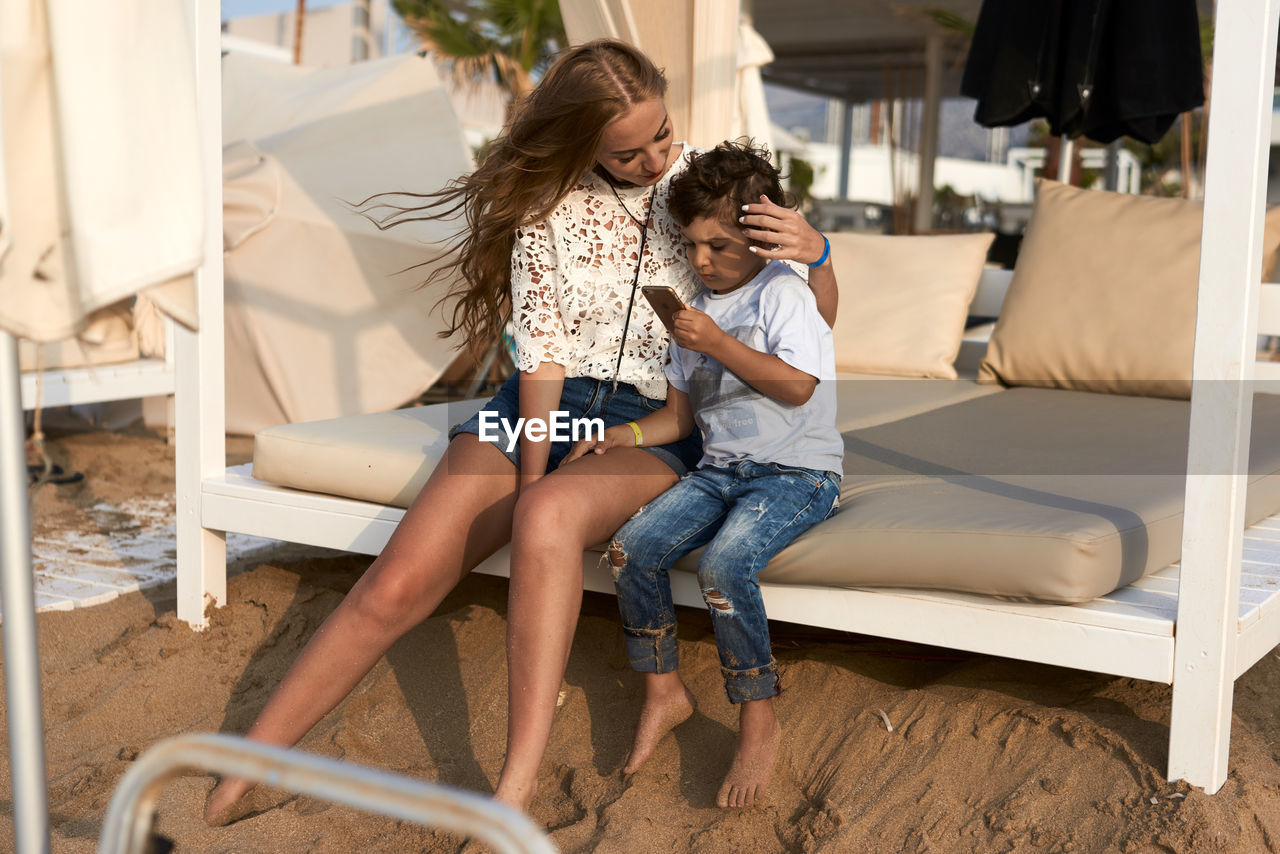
383 457
386 457
903 301
865 400
1023 493
1103 297
1039 494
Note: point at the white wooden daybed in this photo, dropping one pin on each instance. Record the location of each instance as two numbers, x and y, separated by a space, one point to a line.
1197 626
1128 632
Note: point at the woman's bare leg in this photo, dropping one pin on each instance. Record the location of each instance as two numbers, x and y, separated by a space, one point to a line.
577 506
462 516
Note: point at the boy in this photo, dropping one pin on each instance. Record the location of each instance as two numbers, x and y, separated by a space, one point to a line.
752 362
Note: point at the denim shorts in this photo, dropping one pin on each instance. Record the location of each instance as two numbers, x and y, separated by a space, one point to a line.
584 397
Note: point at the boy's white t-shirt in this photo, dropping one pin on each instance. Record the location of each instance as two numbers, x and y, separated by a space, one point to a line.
774 313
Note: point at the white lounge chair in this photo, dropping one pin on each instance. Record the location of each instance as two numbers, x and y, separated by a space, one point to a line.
76 381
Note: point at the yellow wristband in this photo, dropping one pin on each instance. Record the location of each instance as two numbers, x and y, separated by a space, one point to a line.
635 428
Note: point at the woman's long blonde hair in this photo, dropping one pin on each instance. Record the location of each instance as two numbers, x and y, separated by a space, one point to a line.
548 146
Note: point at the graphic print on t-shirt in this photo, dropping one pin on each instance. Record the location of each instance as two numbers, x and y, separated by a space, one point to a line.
721 399
775 314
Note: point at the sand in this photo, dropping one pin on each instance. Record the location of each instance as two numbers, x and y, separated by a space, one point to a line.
984 754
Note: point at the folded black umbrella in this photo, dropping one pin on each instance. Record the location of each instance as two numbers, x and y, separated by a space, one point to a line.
1096 68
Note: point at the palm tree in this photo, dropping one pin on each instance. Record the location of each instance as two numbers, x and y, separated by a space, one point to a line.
501 40
299 16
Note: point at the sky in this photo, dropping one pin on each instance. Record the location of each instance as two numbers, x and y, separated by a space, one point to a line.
246 8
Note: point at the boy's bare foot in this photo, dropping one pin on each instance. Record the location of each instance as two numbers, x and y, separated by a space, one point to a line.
758 737
667 704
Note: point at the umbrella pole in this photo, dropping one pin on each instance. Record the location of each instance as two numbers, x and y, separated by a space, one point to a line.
1066 154
18 615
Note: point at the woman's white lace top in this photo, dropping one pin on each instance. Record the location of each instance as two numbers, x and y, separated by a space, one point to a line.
571 278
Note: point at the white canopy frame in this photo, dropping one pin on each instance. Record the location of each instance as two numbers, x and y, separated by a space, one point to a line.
1222 389
1201 661
200 397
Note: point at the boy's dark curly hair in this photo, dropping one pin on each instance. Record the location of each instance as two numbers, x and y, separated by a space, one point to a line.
719 182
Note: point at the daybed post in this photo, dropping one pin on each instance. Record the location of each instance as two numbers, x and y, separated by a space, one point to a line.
1222 393
200 404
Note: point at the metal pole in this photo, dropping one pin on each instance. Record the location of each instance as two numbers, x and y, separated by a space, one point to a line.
131 811
930 122
18 607
1111 172
846 148
1066 154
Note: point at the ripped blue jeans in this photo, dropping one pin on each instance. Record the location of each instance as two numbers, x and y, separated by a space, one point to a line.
744 515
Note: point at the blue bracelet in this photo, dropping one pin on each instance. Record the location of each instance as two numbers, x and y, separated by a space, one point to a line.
826 250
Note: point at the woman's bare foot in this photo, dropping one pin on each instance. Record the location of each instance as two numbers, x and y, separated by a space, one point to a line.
515 795
758 737
229 802
667 704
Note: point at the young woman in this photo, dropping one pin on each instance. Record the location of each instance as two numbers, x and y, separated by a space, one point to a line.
567 219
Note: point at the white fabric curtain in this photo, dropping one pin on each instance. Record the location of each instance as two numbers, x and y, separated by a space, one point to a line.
694 41
100 160
323 314
753 112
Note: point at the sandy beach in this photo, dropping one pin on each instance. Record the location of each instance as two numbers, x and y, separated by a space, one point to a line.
984 754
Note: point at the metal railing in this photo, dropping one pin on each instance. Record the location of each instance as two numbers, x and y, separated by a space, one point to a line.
128 823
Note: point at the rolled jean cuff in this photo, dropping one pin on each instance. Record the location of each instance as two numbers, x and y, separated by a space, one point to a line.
652 650
759 683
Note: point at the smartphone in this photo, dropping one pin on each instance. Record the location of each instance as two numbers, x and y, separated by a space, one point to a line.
665 303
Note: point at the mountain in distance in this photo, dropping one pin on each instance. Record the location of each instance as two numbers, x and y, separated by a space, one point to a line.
959 135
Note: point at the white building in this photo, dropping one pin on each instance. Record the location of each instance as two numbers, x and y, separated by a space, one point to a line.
875 172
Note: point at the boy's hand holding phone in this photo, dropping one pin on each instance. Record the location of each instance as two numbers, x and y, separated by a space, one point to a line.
665 303
694 330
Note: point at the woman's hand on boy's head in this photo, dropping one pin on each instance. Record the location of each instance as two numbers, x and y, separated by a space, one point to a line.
695 330
787 230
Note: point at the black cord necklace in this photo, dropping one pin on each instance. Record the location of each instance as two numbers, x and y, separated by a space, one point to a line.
627 210
644 239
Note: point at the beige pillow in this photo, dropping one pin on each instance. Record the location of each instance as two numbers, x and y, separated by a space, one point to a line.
903 301
1103 297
